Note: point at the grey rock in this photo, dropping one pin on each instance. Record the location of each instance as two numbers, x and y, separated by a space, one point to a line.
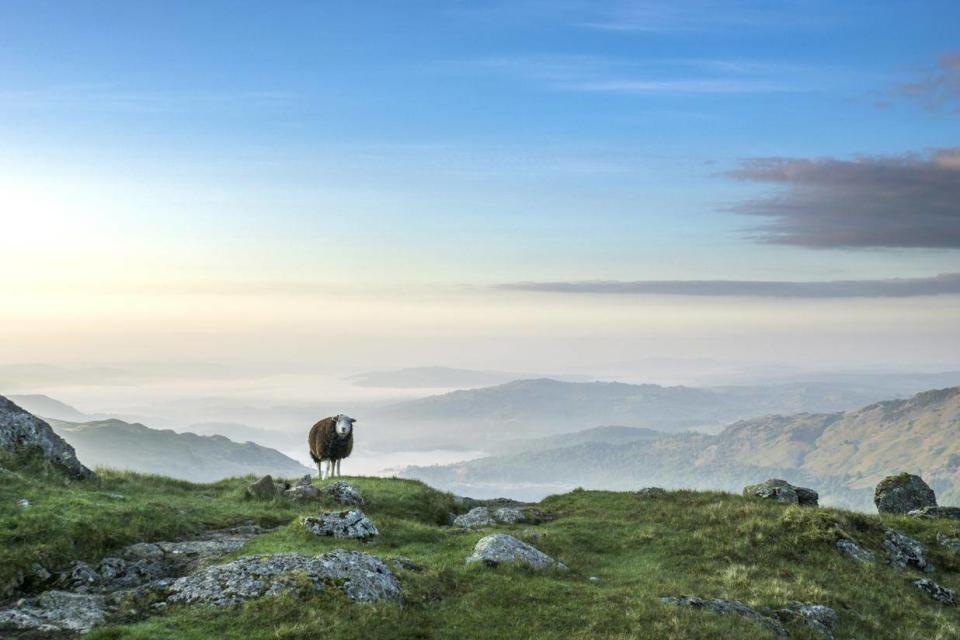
39 573
905 551
143 551
503 549
953 544
475 518
854 551
112 568
304 481
80 574
818 617
727 607
22 431
941 594
343 493
782 491
302 492
937 513
345 524
902 494
509 515
263 489
648 492
361 577
56 611
23 503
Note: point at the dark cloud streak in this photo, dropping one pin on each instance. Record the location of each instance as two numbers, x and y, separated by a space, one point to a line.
943 284
910 200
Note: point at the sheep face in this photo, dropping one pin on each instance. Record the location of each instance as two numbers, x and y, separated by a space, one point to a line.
344 425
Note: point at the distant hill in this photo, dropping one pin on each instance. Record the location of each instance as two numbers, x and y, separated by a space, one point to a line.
543 407
47 407
444 378
609 435
188 456
842 454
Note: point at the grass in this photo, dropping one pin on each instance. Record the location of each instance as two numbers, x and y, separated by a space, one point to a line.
694 543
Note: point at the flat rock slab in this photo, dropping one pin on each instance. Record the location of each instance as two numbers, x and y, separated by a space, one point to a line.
941 594
56 611
904 551
937 513
503 549
363 578
818 617
487 516
345 524
782 491
854 551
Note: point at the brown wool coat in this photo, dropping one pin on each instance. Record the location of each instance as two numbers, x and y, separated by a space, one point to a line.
325 444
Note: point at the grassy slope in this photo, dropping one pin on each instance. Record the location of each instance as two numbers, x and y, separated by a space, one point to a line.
707 544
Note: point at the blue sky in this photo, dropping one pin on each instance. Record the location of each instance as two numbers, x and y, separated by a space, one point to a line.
186 145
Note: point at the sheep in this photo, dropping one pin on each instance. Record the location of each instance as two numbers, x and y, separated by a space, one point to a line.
331 439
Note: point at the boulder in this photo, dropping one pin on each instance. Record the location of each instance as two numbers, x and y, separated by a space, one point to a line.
363 578
902 494
22 432
503 549
854 551
782 491
509 515
345 524
941 594
728 607
263 489
475 518
343 493
905 551
937 513
56 612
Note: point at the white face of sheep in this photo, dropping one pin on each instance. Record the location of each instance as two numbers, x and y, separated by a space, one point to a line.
344 425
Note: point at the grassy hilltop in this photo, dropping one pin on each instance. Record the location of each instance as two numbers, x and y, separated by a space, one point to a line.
638 547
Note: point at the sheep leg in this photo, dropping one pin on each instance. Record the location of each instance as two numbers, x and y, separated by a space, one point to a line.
320 469
338 469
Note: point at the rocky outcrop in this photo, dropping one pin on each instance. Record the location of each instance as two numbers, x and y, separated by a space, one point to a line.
854 551
902 494
904 551
941 594
22 432
86 596
343 493
484 517
503 549
363 578
937 513
56 612
727 607
345 524
782 491
263 489
818 617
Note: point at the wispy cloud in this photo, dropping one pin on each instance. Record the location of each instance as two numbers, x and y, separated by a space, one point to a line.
651 16
910 200
667 76
936 87
943 284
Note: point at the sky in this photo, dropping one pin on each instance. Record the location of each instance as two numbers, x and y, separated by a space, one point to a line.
523 184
